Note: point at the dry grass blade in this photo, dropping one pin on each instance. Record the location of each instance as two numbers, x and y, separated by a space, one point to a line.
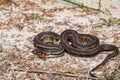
82 6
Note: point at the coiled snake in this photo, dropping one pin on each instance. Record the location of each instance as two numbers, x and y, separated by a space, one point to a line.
80 45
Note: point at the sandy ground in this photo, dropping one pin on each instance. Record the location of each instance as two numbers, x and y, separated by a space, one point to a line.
17 30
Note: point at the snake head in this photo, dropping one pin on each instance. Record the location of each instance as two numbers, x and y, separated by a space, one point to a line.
43 56
40 54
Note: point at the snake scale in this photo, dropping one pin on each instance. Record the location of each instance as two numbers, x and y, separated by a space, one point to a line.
74 43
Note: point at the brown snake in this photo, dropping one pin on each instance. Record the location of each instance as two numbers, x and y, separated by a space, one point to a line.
80 45
45 47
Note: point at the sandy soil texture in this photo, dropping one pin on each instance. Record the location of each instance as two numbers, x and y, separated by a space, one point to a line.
21 20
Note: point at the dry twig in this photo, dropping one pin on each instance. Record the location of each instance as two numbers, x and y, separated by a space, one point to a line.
54 73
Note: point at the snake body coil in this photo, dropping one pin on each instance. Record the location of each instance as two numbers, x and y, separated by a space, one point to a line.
80 45
90 49
45 47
